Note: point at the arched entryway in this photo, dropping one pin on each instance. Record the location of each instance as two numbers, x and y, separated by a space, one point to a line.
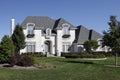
47 47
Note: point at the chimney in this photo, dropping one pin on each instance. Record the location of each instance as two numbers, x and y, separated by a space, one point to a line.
12 25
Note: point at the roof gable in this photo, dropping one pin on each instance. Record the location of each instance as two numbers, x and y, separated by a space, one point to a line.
94 35
60 22
82 34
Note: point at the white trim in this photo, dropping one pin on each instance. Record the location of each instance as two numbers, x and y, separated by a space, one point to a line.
48 32
65 24
50 46
66 28
31 23
66 46
31 44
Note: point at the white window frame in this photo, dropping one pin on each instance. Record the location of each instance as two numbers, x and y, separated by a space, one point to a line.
66 29
48 32
30 47
66 46
30 31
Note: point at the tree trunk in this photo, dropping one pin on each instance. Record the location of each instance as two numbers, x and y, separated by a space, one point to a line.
116 59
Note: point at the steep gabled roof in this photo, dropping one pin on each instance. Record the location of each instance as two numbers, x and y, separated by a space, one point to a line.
94 35
41 22
82 34
60 22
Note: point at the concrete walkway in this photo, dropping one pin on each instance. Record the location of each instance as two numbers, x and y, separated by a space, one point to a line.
93 58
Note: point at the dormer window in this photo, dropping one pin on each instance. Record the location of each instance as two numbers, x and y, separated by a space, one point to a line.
66 31
48 32
30 27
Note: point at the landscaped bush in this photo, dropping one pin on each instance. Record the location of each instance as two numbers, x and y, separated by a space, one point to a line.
12 60
21 60
87 55
25 61
35 54
70 55
82 55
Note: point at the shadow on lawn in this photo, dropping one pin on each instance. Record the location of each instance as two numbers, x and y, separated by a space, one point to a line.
82 62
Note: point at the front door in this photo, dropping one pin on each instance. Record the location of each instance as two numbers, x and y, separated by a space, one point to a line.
47 47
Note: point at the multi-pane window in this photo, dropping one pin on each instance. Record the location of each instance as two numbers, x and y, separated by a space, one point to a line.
30 46
66 46
66 29
30 28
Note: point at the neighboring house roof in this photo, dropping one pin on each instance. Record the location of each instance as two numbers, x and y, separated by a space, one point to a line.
82 34
94 35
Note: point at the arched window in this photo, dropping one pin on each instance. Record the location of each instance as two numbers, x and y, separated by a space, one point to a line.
30 27
48 32
66 29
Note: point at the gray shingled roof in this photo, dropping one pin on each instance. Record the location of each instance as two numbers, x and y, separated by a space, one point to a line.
60 22
94 35
41 22
82 34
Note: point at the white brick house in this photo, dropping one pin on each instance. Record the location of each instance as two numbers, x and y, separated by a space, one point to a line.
50 36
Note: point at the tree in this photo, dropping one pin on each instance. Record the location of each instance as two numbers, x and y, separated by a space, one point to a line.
111 37
6 48
18 38
90 45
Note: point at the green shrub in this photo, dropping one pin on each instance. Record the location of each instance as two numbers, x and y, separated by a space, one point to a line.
82 55
6 49
90 44
35 54
3 58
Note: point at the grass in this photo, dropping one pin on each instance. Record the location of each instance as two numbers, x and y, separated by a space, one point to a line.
66 69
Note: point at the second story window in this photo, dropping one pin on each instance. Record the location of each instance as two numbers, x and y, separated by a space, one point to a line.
66 30
30 27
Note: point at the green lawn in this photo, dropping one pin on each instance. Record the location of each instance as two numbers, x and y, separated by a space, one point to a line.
66 69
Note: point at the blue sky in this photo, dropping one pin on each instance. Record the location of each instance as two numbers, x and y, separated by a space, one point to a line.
93 14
